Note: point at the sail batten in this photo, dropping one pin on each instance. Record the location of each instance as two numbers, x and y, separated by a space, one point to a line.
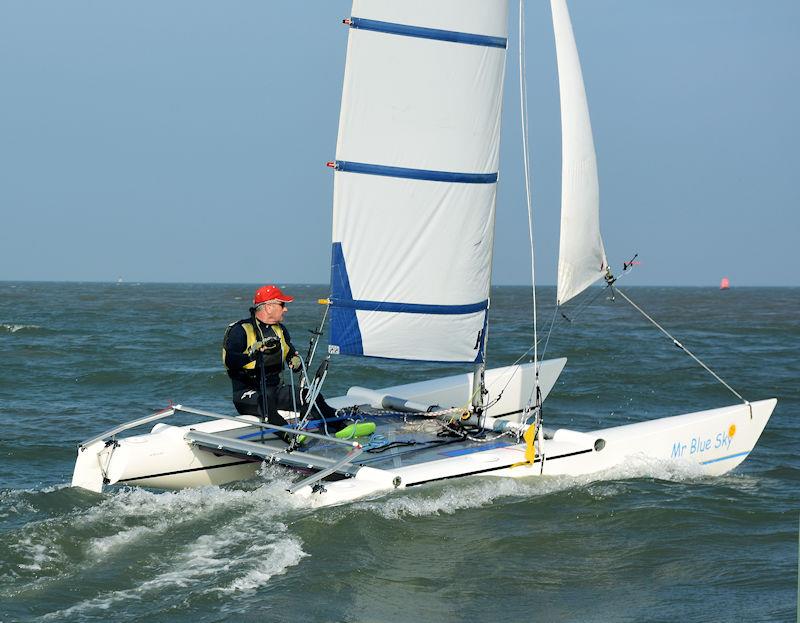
415 178
415 174
410 308
582 257
428 33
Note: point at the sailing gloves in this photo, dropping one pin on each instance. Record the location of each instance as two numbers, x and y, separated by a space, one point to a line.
295 363
268 345
271 344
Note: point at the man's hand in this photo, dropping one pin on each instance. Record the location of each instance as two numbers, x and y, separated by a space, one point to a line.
268 345
295 363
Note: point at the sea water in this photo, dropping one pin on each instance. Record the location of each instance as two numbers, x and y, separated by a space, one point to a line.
646 543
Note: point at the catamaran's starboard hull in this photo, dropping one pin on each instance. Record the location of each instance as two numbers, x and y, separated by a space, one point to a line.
704 443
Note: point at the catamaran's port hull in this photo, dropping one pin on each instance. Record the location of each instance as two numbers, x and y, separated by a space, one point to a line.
164 459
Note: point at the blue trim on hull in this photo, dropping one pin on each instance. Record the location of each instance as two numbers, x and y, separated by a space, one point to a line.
725 458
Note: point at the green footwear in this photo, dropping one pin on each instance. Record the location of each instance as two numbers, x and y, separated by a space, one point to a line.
362 429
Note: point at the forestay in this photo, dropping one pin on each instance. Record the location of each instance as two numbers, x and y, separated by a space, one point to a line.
582 258
415 178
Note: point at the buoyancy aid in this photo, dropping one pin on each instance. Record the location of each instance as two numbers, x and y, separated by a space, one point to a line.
273 359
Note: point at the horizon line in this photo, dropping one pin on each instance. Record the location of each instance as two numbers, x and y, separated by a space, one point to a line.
322 284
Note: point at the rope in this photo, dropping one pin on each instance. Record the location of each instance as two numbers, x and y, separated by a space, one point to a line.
291 384
681 346
383 447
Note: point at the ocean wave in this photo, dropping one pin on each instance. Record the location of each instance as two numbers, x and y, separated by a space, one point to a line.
36 556
20 502
103 546
30 556
11 503
242 546
266 561
14 328
165 508
186 569
484 491
218 540
198 562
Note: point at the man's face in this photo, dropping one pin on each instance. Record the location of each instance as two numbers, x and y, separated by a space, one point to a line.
271 313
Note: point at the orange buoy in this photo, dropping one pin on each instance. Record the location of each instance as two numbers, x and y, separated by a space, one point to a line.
724 284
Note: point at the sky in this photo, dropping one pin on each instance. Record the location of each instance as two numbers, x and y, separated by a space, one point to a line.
186 140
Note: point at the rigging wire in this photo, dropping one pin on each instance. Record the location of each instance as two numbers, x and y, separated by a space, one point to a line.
585 303
550 330
679 345
315 335
523 95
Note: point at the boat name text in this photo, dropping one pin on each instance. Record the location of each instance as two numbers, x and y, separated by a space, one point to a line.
700 444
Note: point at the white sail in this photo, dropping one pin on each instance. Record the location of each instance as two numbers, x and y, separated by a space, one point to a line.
415 178
582 258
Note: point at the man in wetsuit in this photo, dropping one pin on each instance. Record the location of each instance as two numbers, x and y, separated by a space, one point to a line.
261 345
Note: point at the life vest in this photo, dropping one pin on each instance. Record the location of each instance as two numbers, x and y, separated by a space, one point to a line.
273 359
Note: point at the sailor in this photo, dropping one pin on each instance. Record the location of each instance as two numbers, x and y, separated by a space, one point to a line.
255 351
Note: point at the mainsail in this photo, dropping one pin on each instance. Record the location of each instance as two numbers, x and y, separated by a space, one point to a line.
582 258
415 178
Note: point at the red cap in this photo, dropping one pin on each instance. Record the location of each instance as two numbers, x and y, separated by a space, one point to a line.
270 293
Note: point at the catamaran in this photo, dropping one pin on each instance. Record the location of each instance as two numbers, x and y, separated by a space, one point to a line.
414 185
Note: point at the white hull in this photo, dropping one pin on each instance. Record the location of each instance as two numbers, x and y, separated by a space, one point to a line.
694 441
708 442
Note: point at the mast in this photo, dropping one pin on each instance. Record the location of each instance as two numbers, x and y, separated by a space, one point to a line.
479 381
523 97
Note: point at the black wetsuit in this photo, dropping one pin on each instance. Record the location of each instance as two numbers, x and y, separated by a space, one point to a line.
246 382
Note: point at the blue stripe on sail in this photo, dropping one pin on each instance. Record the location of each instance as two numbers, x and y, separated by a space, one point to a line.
345 332
407 308
415 174
428 33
